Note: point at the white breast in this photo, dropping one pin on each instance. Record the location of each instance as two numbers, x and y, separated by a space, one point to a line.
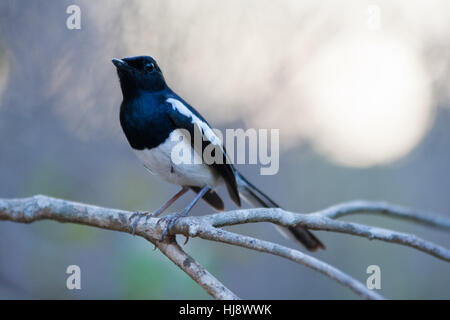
160 162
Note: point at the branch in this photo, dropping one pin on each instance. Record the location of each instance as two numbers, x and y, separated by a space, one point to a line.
199 274
208 227
320 221
383 208
46 208
224 236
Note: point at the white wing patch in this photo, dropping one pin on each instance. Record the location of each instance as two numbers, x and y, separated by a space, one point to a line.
159 161
208 132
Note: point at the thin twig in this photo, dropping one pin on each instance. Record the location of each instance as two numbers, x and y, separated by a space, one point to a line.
385 209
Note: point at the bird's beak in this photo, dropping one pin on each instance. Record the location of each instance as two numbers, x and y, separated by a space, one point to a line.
120 64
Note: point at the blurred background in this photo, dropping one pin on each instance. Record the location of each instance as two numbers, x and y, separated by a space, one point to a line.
360 91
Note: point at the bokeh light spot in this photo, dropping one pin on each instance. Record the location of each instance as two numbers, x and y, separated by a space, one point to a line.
369 100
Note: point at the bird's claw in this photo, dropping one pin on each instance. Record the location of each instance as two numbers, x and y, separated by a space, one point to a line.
138 216
170 221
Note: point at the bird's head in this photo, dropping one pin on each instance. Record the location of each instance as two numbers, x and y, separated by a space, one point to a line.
140 73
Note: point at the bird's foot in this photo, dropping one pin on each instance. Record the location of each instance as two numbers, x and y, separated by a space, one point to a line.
138 216
170 221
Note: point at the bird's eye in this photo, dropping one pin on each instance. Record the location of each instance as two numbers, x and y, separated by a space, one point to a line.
149 67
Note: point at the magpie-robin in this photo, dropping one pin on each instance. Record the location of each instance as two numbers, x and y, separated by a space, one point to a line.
153 116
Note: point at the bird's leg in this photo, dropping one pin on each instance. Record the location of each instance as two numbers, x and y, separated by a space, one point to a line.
171 219
170 202
147 215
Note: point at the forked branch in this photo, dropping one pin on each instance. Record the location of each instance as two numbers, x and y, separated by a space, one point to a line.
209 227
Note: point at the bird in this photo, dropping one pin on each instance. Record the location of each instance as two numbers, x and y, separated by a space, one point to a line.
154 118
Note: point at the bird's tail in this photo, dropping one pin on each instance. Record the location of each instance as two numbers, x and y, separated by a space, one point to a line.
258 199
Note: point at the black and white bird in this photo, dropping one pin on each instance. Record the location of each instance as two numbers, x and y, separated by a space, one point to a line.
153 117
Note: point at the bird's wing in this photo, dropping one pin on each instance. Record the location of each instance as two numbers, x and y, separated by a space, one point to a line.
183 116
